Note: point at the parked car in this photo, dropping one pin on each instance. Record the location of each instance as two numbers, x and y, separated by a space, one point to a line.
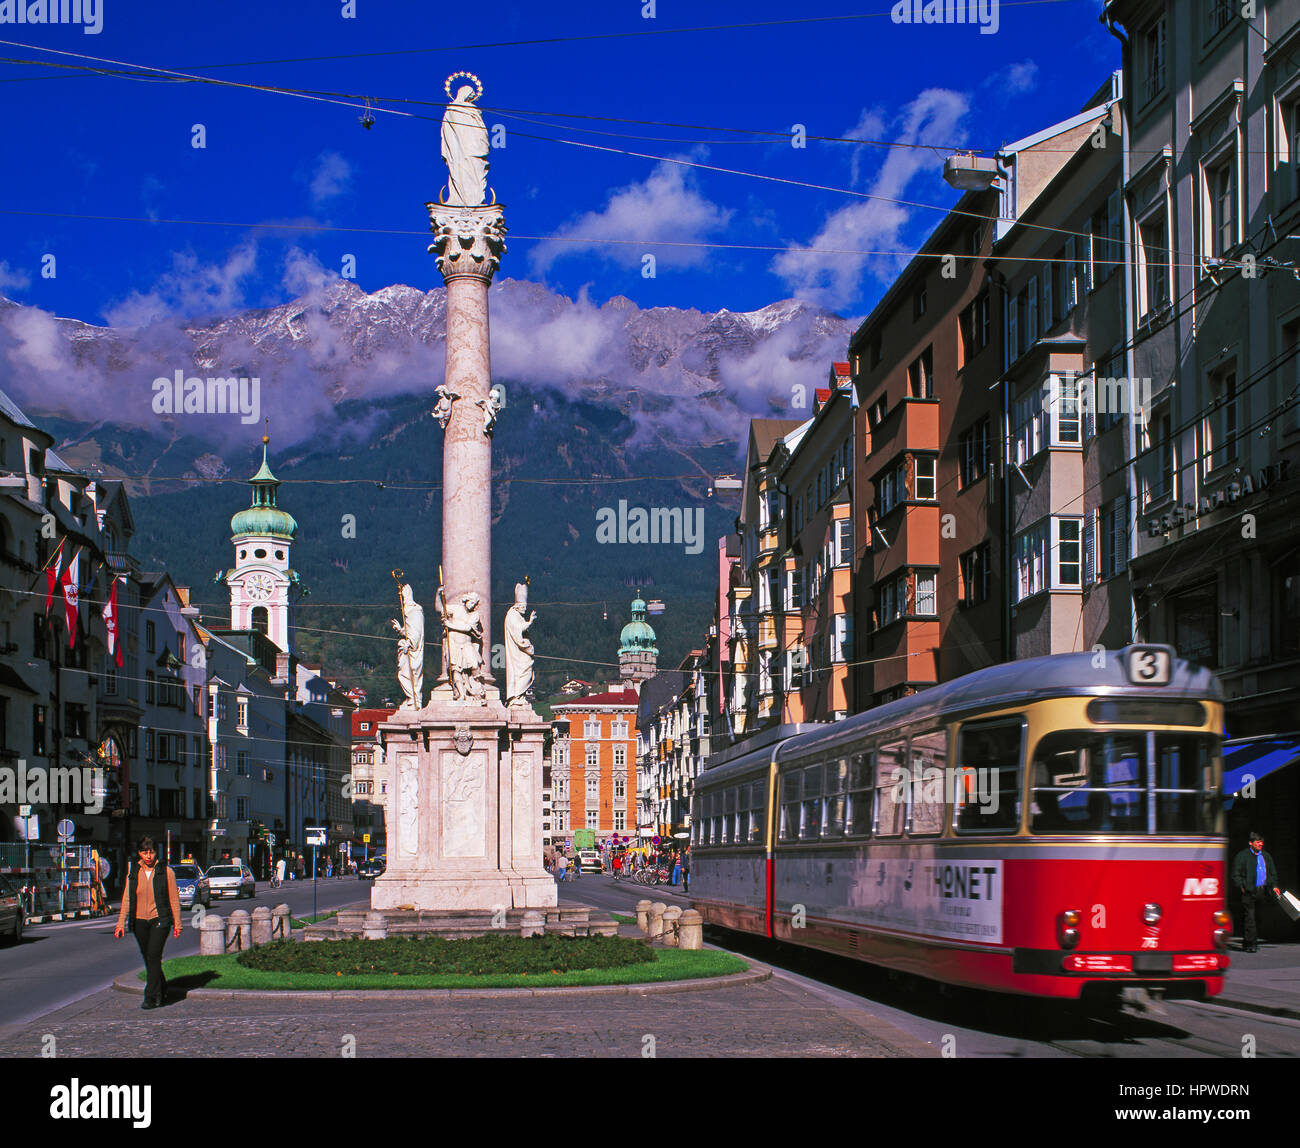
231 881
589 861
12 917
374 867
193 886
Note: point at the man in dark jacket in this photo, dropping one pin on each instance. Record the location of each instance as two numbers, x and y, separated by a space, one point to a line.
1254 874
150 906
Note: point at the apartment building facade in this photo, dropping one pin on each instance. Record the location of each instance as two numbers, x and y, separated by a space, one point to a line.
593 765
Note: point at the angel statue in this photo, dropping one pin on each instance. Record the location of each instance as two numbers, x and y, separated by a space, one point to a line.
410 646
491 406
465 144
519 650
442 411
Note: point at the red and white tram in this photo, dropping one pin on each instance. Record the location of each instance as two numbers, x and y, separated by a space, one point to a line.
1050 827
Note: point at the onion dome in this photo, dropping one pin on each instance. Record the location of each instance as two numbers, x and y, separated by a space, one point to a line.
638 636
263 518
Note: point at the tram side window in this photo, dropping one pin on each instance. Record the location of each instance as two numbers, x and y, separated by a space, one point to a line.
857 816
891 789
706 818
1090 783
928 771
835 782
791 803
757 810
729 817
810 824
715 816
986 784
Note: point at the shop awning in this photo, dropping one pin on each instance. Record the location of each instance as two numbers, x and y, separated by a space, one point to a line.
1256 759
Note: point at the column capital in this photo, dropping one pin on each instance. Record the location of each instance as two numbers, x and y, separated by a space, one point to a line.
468 241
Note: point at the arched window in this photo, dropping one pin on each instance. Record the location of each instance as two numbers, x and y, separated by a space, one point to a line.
261 619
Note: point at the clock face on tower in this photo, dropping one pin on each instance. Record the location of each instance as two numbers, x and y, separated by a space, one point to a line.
259 587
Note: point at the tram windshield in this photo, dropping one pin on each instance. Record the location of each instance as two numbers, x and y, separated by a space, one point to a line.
1124 782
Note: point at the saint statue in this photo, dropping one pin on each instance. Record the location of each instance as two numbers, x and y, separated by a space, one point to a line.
410 646
519 650
465 145
463 638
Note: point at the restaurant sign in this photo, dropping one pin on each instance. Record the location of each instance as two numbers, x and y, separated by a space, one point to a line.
1226 495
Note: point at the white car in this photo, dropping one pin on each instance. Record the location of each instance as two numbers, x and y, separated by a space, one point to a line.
231 880
589 861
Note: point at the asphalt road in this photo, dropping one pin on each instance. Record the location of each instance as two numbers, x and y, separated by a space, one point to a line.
61 962
980 1024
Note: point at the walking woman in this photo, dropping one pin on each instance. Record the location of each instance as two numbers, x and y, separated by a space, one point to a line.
150 906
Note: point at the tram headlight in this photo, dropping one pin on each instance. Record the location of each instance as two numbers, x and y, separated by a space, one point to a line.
1151 913
1222 929
1067 930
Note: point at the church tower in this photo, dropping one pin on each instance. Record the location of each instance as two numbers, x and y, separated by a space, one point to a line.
638 656
263 588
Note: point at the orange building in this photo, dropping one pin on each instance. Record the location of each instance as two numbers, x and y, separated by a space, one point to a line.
593 766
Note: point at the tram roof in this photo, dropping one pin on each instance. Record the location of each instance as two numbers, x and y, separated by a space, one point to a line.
1009 683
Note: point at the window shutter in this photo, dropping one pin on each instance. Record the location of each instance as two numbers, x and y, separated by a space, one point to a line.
1049 318
1089 548
1071 299
1115 220
1031 316
1086 394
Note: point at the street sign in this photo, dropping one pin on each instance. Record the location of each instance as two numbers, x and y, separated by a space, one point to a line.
316 834
66 830
655 839
270 840
365 838
24 811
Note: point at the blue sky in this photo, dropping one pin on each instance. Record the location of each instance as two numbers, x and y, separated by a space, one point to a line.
94 144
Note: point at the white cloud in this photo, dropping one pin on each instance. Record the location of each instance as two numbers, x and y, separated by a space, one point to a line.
332 177
1014 80
817 271
665 207
870 126
13 277
189 289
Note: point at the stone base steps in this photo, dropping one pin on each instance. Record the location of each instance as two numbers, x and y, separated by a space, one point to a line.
460 924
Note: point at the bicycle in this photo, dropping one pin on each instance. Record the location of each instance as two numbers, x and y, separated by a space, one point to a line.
275 882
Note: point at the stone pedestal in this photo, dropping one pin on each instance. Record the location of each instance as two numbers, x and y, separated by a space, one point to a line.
464 814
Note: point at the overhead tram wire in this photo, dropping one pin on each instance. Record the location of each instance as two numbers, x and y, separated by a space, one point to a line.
552 40
352 104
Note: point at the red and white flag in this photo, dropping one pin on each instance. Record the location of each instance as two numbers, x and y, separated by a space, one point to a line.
110 623
52 574
69 583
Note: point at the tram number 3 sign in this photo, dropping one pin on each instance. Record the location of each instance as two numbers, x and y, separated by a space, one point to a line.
1149 665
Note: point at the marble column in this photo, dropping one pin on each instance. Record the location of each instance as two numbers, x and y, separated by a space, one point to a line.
468 243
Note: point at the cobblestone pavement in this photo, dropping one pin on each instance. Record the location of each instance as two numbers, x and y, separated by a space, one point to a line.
771 1018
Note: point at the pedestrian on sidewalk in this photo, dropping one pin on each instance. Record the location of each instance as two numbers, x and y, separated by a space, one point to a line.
150 906
677 869
1254 873
561 863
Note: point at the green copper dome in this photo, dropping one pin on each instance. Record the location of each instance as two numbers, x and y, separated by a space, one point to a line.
263 517
638 636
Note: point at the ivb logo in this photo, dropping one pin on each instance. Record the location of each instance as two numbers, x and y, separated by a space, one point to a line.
1198 887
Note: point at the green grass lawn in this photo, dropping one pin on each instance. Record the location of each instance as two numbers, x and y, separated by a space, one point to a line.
302 922
623 918
225 972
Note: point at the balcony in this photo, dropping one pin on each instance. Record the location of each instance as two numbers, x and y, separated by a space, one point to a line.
911 425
